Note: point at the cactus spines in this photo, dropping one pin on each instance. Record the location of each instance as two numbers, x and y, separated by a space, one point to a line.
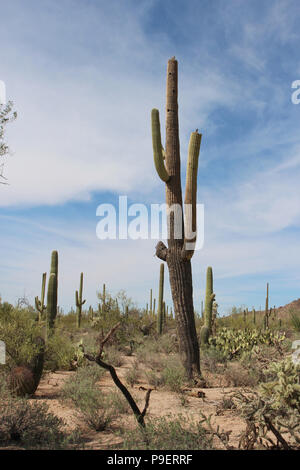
79 302
180 248
160 311
39 304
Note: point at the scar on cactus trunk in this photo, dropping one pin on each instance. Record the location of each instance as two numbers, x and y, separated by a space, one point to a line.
181 247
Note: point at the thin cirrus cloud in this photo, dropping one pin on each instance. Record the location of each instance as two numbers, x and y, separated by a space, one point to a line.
84 77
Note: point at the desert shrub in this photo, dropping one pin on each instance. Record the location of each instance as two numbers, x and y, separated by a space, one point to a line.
31 425
132 375
92 406
19 330
173 374
150 354
119 403
172 433
295 320
167 344
112 355
238 376
212 358
155 378
60 352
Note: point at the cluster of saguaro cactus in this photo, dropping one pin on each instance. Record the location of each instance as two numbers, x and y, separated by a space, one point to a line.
206 329
52 292
79 302
39 304
160 310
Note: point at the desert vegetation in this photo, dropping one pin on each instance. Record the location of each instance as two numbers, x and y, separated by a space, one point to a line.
122 377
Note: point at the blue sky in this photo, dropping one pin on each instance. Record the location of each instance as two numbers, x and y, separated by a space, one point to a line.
84 76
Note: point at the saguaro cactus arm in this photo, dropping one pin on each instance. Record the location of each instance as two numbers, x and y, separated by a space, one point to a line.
158 150
190 202
39 304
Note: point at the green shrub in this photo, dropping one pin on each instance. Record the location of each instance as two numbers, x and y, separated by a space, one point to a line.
173 374
60 352
132 375
295 320
238 376
155 379
172 433
31 425
81 390
113 356
19 330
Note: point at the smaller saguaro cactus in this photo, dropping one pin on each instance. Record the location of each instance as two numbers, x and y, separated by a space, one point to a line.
150 301
160 300
154 302
39 304
266 317
104 299
79 302
254 316
206 329
52 292
91 313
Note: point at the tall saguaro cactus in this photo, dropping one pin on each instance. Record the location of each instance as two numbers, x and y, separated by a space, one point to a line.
160 310
39 304
181 229
79 302
52 291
